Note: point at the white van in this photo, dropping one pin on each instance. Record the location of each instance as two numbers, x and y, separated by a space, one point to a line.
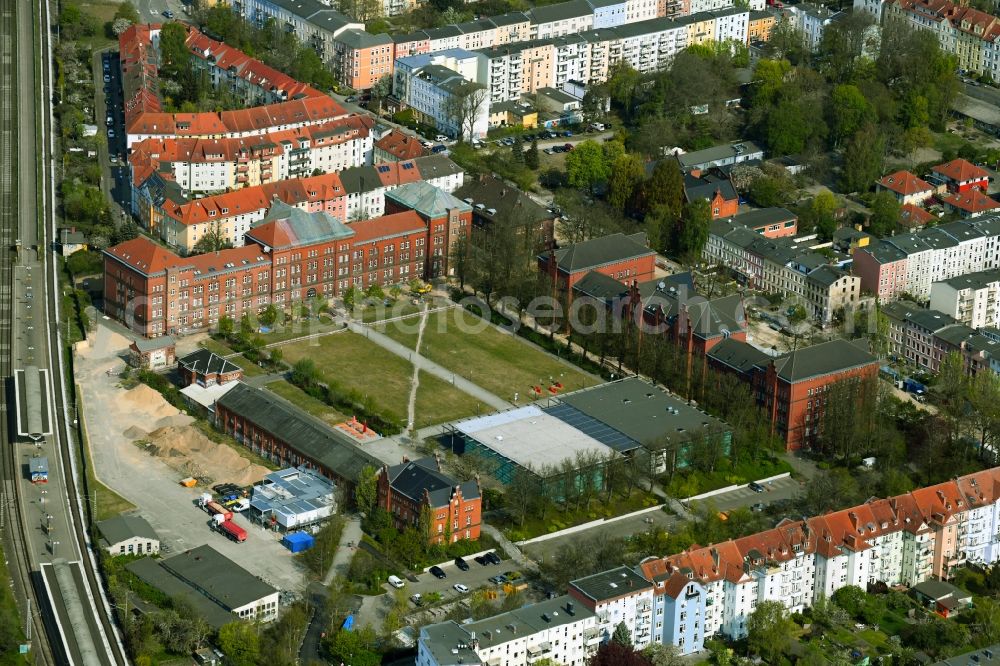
396 582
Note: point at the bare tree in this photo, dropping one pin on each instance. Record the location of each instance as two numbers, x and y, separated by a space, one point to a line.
463 106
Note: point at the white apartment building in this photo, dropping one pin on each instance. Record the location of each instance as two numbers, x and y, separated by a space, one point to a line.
565 18
315 23
616 596
811 19
433 91
711 590
557 629
971 298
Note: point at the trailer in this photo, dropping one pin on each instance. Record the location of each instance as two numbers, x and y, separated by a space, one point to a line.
216 509
38 468
913 386
233 531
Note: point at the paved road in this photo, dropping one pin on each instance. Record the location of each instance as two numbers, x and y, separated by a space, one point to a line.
778 490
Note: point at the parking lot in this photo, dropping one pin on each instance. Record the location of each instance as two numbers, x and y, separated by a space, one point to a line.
477 576
779 489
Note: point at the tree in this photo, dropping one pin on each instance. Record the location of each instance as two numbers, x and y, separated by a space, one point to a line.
366 490
531 155
381 89
769 630
864 159
615 654
127 11
356 647
226 326
622 635
820 214
351 296
175 59
849 111
692 233
626 178
269 315
665 187
586 166
464 107
213 240
885 214
661 654
623 83
241 643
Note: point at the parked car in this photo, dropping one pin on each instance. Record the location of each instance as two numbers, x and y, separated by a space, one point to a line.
568 147
462 589
396 582
492 557
498 579
440 138
440 148
107 78
558 149
758 507
417 600
350 99
567 134
481 560
461 564
168 14
756 487
548 151
437 572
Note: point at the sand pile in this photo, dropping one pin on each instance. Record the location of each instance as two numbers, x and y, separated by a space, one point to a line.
191 453
148 402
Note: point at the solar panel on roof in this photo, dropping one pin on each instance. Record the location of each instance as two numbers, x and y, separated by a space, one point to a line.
407 165
592 427
383 169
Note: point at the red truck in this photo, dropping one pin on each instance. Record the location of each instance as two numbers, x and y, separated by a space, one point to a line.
233 531
215 508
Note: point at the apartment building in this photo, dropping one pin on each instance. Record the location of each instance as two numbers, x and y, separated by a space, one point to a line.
361 59
970 299
811 19
203 166
301 105
442 97
626 258
710 591
559 20
917 334
783 266
616 596
969 34
289 256
558 629
353 194
910 263
315 23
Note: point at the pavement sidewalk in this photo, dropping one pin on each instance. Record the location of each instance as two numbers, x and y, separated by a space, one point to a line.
342 558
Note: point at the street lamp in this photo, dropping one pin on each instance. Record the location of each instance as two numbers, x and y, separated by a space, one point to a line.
52 546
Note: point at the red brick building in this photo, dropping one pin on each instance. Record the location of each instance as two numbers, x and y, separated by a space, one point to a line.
720 193
448 220
624 258
281 432
206 368
791 387
290 256
454 508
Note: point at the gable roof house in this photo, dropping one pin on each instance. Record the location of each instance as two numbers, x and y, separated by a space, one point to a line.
408 490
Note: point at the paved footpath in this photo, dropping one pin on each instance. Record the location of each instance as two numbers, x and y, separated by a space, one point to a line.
430 366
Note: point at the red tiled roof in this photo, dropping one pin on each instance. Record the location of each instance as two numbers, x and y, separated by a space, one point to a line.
971 201
401 145
960 171
386 226
144 255
914 216
237 257
905 183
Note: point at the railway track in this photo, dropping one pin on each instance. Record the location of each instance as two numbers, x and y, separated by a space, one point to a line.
15 546
70 447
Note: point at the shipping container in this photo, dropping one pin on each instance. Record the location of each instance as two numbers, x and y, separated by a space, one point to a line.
298 541
233 531
215 509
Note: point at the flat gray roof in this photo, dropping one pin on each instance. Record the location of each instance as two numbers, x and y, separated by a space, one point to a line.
530 437
217 577
641 410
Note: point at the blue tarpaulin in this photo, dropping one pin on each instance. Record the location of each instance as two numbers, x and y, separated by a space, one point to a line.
298 541
348 623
